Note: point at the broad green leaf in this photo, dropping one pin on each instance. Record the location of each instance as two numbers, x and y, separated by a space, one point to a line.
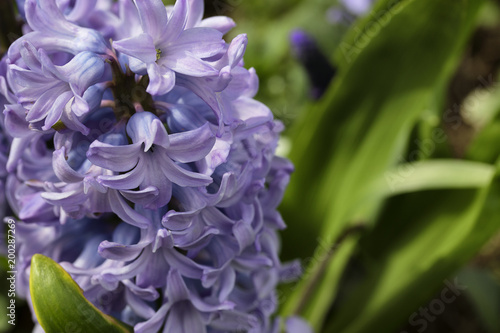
419 241
434 174
59 303
408 178
360 35
421 176
361 127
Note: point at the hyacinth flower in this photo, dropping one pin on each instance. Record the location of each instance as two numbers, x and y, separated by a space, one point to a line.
144 165
348 10
317 66
45 89
53 32
166 47
150 159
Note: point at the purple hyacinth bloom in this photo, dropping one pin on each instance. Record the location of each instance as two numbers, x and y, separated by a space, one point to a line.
46 90
52 31
79 194
150 159
166 47
183 310
147 170
73 10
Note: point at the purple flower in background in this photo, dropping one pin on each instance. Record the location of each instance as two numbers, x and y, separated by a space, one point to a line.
316 64
348 10
357 7
144 165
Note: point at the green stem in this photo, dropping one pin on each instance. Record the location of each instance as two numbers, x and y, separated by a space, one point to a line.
128 93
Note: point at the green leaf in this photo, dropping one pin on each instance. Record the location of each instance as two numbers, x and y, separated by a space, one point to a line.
421 176
59 303
360 129
435 174
415 246
360 35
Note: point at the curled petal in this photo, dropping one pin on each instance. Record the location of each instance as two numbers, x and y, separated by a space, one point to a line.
183 264
127 214
15 122
178 220
147 128
176 288
81 9
83 71
161 79
181 176
61 168
184 318
56 110
115 251
192 145
125 181
221 23
155 322
142 197
138 305
116 158
148 294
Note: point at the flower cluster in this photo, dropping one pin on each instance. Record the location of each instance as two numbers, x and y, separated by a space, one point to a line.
139 160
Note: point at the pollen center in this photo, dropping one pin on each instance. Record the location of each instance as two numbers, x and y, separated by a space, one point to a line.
158 54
